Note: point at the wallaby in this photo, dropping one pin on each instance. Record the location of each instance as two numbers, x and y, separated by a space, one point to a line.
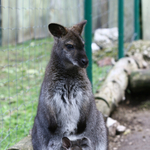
79 144
66 104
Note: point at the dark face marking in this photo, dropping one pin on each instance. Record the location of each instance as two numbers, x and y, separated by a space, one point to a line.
72 50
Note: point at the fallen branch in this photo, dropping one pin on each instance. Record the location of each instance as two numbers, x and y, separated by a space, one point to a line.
115 85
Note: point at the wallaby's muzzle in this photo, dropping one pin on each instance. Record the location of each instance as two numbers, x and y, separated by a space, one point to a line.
84 62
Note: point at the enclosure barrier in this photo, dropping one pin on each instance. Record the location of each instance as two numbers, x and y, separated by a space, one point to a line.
121 28
26 44
88 35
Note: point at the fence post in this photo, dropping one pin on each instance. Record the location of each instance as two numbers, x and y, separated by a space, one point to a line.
121 28
136 19
88 35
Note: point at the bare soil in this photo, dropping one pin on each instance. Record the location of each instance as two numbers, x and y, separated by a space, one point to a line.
134 113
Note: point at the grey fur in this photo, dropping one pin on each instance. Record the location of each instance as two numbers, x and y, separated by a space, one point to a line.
66 103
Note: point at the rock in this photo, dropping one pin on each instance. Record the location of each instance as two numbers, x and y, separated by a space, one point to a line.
102 40
112 126
145 52
105 62
24 144
121 128
127 132
105 37
130 143
110 122
95 47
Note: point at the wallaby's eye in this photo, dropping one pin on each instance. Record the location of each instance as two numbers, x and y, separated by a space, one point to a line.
69 46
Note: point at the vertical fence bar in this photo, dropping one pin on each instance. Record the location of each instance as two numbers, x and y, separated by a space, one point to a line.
0 24
88 35
121 28
136 19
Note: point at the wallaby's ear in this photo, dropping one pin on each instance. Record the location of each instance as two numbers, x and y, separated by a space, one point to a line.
79 27
57 30
66 143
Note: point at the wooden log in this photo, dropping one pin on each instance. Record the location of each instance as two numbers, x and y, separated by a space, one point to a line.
24 144
139 81
113 89
108 97
139 59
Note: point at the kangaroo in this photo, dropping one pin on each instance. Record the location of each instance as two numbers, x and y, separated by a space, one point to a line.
80 144
66 104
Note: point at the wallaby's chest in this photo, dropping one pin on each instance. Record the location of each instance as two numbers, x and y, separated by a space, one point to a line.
68 100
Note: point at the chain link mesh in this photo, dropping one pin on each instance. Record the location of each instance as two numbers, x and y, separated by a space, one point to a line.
25 50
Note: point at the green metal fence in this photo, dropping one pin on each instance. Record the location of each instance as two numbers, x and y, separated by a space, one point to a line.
88 34
121 28
26 45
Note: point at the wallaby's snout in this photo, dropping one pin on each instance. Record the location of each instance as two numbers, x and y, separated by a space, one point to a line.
71 45
83 61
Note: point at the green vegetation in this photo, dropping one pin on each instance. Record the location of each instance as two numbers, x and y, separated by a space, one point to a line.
99 74
107 52
145 105
22 68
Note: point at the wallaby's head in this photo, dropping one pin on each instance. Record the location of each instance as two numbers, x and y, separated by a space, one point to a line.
69 44
79 144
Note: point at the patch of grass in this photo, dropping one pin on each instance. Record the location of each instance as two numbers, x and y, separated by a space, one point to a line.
99 74
22 69
107 52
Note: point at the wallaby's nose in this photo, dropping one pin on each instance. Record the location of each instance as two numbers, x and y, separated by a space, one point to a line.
84 62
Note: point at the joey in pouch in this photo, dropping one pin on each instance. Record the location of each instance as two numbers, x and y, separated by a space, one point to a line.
79 144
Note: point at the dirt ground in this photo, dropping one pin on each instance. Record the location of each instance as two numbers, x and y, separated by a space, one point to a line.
134 113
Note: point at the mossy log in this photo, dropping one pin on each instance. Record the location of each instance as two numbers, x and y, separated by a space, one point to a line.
139 81
113 89
24 144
